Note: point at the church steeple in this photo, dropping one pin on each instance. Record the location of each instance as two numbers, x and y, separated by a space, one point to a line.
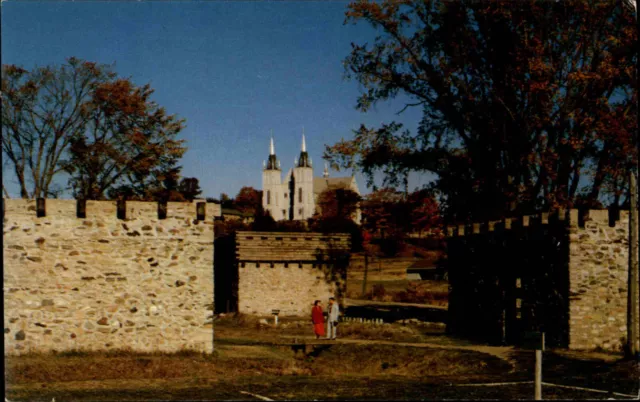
304 160
325 173
272 163
304 144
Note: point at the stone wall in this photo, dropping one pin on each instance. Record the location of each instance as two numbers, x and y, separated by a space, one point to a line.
288 271
104 283
598 271
564 273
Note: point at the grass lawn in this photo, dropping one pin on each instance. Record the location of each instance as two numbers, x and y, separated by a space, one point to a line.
373 363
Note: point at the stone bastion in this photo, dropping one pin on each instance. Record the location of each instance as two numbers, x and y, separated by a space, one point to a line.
100 275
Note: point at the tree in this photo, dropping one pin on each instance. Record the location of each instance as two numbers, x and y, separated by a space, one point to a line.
190 188
338 203
249 200
385 212
129 147
42 111
424 213
226 201
80 118
337 224
224 228
263 222
526 105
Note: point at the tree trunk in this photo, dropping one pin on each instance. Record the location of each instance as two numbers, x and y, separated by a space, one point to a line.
366 269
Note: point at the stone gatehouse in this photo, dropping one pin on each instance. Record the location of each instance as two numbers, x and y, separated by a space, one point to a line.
563 273
257 272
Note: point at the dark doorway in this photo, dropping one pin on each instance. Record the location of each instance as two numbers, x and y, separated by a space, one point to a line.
225 275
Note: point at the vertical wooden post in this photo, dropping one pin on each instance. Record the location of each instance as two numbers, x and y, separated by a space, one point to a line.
366 270
503 315
632 293
538 390
538 379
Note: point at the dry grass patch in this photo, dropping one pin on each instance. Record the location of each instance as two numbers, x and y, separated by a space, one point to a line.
376 360
91 366
331 361
430 292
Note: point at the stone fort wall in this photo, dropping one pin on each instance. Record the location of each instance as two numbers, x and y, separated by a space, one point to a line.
289 271
565 273
100 282
598 277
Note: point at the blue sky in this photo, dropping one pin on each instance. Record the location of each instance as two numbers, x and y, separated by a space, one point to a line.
233 70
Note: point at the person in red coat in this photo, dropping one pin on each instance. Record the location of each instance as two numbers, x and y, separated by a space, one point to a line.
317 317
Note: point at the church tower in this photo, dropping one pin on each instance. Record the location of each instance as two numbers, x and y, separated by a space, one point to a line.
272 188
302 189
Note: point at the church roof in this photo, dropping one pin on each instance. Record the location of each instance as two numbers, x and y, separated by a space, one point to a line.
322 183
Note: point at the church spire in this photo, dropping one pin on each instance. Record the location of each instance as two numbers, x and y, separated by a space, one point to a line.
304 160
304 145
272 163
272 149
325 173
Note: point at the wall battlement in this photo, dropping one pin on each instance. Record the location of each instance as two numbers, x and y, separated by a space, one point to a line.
569 217
134 209
288 247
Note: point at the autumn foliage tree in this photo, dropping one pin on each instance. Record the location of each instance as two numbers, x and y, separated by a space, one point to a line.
129 146
42 111
424 215
390 215
248 200
384 213
337 211
338 203
526 105
82 119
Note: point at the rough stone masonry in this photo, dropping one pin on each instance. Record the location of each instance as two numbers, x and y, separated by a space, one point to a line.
598 275
288 271
100 283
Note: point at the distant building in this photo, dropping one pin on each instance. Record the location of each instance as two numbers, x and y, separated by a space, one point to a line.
295 197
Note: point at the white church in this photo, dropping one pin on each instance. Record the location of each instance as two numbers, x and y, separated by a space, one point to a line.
295 197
